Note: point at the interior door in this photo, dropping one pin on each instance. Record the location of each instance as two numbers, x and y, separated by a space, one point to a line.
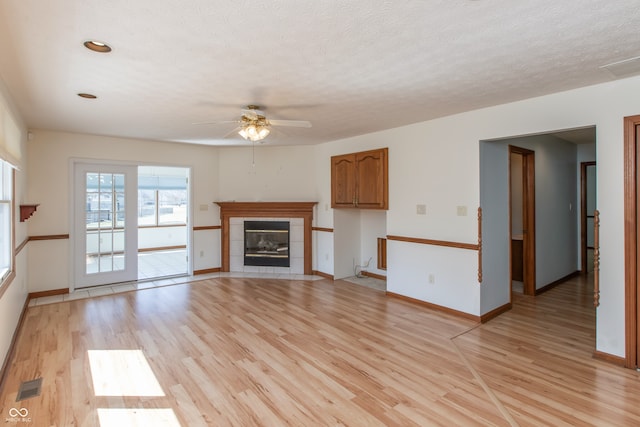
105 224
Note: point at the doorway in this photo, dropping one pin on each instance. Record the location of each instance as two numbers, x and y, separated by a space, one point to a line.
130 223
522 219
163 215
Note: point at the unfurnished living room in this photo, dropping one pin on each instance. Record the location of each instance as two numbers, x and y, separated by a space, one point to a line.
319 213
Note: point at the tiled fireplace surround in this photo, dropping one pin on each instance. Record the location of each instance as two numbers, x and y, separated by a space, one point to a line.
299 215
296 247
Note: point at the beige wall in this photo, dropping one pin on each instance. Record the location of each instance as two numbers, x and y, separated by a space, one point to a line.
52 155
14 296
267 173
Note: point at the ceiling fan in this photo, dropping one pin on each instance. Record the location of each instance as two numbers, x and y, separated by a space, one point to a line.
253 125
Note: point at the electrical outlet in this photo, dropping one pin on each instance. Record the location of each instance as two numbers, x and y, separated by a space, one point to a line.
201 254
421 209
462 211
432 279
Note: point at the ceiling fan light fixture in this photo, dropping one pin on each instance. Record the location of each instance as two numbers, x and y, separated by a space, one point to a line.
254 131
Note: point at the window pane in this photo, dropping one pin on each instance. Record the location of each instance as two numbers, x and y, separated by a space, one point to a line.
105 209
93 182
146 207
6 189
106 181
118 182
172 207
120 210
5 238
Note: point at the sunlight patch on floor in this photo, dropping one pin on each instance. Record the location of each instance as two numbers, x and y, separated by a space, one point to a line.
122 373
133 417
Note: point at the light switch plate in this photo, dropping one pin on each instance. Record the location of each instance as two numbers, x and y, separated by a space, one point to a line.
421 209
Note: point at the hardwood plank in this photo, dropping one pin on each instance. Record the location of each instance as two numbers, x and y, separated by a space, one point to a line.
242 351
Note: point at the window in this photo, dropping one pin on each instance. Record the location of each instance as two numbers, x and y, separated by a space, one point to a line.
162 196
162 207
6 240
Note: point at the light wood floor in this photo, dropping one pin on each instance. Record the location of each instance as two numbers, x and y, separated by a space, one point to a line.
241 352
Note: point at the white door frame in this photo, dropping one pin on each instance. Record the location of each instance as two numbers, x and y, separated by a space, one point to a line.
78 224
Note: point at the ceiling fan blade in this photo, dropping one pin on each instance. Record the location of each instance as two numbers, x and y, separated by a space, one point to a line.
216 122
291 123
231 132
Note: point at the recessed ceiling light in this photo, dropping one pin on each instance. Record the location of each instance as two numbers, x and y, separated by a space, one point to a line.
87 95
97 46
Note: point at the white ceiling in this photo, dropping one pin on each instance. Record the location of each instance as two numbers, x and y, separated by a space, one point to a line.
349 67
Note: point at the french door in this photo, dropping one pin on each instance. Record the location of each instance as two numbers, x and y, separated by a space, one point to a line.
105 224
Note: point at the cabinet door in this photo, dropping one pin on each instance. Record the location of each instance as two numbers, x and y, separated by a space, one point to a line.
343 181
371 181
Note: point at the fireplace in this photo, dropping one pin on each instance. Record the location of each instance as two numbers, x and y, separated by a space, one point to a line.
232 218
266 243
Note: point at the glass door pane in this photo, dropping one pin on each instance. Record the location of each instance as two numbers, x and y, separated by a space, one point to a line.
105 222
106 249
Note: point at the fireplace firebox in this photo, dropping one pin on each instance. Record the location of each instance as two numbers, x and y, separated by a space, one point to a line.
266 243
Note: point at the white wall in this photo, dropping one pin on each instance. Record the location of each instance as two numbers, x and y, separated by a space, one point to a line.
373 224
14 296
50 154
271 173
494 193
155 237
347 240
437 163
323 252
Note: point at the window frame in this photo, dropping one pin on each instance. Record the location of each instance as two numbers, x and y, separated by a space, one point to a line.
8 276
156 221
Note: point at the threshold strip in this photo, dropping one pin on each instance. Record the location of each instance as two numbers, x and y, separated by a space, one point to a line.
504 411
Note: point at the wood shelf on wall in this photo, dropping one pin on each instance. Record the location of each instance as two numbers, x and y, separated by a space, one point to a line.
26 211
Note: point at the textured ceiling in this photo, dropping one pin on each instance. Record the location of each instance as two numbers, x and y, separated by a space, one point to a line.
349 67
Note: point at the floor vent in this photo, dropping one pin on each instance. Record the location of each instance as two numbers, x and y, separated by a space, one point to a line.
29 389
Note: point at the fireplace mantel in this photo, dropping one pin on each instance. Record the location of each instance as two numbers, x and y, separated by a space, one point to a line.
266 210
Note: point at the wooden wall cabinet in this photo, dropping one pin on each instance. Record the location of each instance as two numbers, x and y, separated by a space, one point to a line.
360 180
